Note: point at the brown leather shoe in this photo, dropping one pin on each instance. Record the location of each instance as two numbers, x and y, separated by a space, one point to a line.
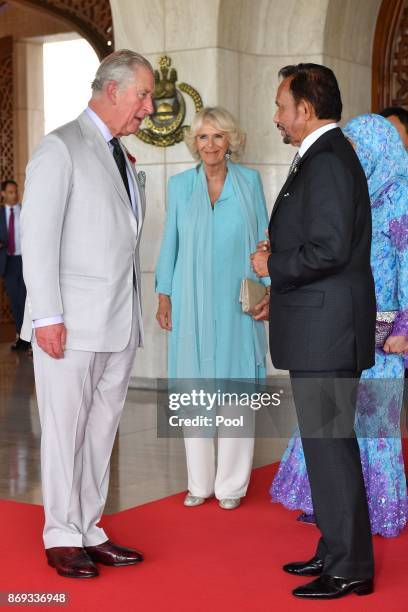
71 562
109 553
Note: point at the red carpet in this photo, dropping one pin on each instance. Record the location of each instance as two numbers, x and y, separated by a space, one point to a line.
197 559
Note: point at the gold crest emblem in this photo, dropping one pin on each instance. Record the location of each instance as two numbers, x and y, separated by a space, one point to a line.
164 127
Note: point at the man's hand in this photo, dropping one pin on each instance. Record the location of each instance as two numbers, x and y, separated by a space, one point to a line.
261 310
259 261
264 246
163 314
51 339
396 344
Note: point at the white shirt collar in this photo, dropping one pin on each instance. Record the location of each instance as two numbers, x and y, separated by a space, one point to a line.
311 138
8 207
102 127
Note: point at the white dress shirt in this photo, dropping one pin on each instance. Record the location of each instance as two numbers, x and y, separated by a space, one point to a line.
311 138
17 211
103 128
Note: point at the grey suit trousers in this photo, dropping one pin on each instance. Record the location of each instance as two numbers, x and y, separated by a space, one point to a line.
80 400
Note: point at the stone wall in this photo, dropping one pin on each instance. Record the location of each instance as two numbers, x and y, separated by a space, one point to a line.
231 51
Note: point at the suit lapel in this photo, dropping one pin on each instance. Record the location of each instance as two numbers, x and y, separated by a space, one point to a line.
318 144
141 202
284 189
139 190
96 142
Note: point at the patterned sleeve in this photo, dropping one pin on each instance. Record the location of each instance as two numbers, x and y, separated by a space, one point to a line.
399 239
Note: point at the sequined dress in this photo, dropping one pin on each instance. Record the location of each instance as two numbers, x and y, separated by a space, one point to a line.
380 393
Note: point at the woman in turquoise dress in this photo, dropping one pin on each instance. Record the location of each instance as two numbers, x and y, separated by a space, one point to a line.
380 395
216 214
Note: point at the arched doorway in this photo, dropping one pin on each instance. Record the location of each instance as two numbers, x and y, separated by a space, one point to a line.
92 19
390 56
24 26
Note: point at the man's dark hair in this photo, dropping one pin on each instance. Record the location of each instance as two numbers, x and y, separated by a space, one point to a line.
315 84
7 182
397 111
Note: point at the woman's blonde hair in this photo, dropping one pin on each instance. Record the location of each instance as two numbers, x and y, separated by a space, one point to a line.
221 120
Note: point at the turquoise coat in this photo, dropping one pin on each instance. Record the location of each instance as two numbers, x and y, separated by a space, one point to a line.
234 346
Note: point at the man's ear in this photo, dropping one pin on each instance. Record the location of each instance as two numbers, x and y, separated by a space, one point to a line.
305 108
112 91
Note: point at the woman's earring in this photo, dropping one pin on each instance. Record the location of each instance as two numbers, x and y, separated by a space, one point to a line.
228 154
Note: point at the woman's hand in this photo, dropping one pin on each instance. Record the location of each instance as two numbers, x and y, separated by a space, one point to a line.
261 310
163 314
396 344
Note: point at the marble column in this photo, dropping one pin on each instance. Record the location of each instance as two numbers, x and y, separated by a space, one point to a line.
28 102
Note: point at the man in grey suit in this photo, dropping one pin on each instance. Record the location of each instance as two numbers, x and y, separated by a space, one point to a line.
82 217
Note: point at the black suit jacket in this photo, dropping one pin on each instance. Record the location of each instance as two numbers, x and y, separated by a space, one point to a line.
3 241
322 304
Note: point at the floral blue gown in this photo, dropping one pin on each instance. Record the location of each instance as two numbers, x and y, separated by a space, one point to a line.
380 394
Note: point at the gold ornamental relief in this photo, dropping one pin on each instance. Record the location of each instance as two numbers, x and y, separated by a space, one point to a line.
164 127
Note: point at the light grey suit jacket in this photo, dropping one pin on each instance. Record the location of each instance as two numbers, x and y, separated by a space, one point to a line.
80 239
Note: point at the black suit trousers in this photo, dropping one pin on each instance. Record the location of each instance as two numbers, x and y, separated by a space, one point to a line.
15 287
325 405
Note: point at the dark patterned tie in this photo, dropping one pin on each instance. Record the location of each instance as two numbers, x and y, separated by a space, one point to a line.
119 158
294 165
11 243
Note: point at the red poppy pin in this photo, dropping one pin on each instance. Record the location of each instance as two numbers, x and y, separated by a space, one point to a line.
130 157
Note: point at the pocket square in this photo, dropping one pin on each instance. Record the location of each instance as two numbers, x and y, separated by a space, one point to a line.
141 177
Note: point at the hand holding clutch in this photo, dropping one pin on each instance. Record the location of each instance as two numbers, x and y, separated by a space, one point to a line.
396 344
261 310
251 294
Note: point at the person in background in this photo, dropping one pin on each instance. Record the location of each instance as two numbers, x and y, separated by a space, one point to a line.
11 267
216 214
380 396
398 116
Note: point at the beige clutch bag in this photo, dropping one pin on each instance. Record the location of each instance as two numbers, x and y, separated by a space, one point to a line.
251 294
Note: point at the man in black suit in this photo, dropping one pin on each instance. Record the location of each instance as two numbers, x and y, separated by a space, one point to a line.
11 267
322 319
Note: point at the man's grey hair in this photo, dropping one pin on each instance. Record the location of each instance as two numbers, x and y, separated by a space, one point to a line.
119 66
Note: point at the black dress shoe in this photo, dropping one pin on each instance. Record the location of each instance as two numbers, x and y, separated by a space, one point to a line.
20 345
333 587
109 553
16 346
313 567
